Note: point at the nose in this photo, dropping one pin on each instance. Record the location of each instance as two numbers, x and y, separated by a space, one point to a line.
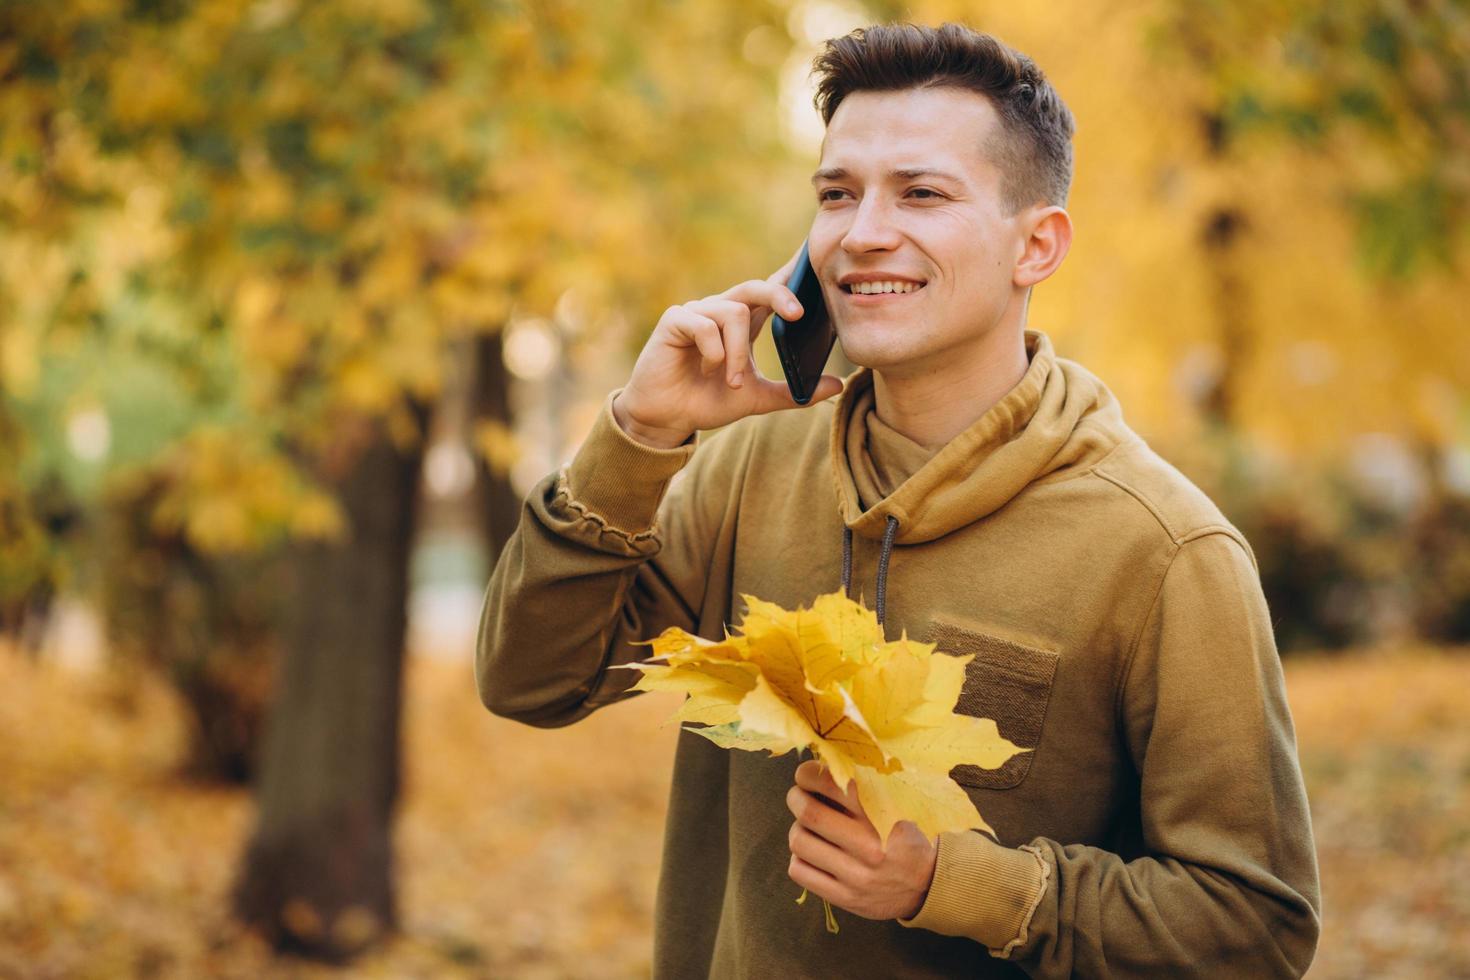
872 229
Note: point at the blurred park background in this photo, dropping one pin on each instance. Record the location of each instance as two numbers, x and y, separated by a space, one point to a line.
298 299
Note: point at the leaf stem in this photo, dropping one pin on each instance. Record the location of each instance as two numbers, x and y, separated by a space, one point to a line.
801 899
831 919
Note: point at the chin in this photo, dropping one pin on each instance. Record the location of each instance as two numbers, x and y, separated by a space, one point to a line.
878 353
879 358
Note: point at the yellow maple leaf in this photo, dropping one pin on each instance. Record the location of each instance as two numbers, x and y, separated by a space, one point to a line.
877 713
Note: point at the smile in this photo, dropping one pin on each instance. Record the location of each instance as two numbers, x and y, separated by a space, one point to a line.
882 286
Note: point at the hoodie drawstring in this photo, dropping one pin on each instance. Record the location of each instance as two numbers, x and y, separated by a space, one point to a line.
883 558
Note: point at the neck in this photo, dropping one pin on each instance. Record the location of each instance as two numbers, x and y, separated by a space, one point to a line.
933 406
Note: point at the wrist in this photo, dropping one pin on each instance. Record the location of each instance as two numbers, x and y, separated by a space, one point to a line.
655 437
928 879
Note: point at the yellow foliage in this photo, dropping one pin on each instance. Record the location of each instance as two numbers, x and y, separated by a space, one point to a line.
347 188
255 299
497 443
1327 352
229 492
393 15
317 515
874 712
147 87
20 363
362 384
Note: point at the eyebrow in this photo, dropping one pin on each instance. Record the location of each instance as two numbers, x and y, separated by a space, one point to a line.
903 173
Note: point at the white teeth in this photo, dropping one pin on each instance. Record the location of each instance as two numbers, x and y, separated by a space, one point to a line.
884 287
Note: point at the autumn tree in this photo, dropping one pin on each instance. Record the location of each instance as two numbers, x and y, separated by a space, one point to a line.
1334 348
1230 278
300 211
1374 99
1381 91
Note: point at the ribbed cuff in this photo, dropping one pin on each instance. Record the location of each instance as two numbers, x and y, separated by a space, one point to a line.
982 891
617 480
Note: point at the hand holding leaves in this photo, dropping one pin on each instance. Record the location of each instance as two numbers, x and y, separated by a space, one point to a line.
877 714
836 853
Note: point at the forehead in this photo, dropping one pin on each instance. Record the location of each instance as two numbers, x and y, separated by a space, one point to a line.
944 126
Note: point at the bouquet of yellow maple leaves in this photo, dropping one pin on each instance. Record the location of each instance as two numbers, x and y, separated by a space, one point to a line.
876 712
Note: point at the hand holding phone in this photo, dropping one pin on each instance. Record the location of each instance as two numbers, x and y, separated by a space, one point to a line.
695 372
805 343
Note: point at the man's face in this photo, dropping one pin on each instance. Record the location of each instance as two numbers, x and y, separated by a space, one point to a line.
906 192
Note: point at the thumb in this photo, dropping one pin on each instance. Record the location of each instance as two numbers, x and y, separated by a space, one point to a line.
772 396
827 386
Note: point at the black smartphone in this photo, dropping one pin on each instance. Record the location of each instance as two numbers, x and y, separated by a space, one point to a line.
804 344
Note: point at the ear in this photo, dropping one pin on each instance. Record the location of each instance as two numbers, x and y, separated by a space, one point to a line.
1045 245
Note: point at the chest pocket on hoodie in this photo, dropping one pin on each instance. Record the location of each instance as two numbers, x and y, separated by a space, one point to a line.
1006 681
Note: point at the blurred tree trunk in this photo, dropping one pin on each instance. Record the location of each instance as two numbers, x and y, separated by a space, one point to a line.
317 876
208 623
1220 237
29 538
497 504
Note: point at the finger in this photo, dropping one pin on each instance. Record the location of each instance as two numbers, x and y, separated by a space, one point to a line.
819 882
845 800
827 386
773 396
822 816
817 779
814 777
737 345
848 866
853 834
759 316
766 295
734 321
810 771
814 814
693 327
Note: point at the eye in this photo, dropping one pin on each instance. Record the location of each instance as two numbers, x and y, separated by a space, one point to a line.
928 193
822 194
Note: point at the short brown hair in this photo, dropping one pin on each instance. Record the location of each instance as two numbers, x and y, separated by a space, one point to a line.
1034 148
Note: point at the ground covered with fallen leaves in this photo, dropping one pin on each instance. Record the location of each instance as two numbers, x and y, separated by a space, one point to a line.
530 853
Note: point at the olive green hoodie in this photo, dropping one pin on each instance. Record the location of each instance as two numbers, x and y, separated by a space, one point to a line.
1159 827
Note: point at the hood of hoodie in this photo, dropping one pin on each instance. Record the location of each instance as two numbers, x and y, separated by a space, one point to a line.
1058 417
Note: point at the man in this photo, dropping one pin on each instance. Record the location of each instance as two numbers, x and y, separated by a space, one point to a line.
990 496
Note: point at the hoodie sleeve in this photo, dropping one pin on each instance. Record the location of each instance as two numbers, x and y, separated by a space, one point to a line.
1228 886
585 576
